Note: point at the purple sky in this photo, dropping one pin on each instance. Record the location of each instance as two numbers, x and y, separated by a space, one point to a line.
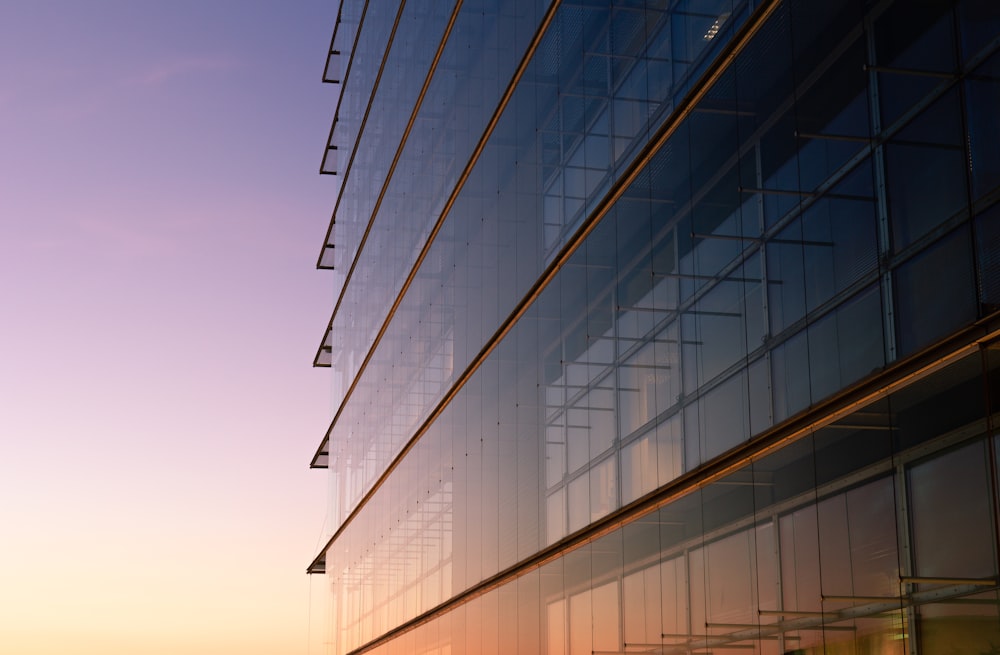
160 218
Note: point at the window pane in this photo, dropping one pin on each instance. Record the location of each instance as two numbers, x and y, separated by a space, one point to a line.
952 521
982 97
987 229
952 517
926 172
914 36
935 292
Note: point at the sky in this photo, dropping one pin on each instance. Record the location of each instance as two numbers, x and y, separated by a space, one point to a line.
161 213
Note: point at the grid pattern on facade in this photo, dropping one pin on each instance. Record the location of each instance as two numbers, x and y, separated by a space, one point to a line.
825 213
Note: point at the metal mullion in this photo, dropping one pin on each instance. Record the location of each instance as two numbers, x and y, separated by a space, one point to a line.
882 209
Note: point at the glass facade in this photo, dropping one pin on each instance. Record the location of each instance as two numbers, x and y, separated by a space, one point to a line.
667 326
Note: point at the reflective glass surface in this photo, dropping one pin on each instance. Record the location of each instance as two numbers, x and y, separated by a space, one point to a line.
489 251
575 341
840 541
363 37
395 191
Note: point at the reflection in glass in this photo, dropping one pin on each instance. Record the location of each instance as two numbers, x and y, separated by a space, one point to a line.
820 215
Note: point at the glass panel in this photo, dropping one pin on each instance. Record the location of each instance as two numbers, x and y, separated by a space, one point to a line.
979 23
648 381
839 238
926 172
982 101
796 552
789 367
910 42
916 409
992 363
846 344
652 460
953 538
656 347
832 114
786 277
987 231
935 292
952 515
581 638
557 623
725 416
860 567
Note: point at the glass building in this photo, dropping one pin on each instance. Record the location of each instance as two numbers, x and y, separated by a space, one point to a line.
665 326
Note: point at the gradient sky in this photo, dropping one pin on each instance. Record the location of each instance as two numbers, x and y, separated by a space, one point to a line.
160 218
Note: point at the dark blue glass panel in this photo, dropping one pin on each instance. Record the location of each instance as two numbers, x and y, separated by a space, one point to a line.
935 292
987 230
979 24
926 172
982 103
914 41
